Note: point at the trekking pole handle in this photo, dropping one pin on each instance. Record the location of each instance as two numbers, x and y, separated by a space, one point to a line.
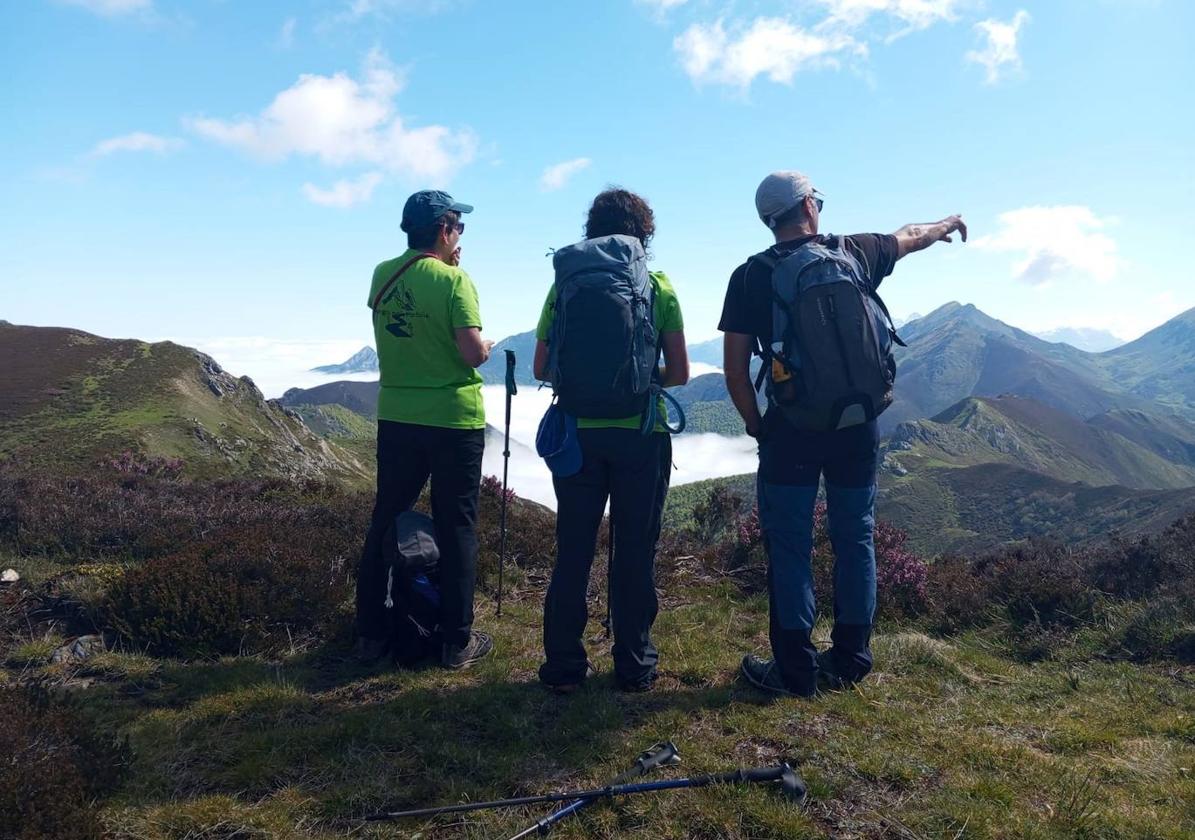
511 387
661 755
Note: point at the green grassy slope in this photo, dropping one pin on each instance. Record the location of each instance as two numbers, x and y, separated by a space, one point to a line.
1030 435
70 399
948 738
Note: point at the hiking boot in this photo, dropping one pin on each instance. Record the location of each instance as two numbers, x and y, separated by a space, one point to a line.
764 674
640 685
369 651
569 687
480 646
828 677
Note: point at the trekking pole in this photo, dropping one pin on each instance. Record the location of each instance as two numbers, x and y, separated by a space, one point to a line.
511 390
661 755
610 575
791 785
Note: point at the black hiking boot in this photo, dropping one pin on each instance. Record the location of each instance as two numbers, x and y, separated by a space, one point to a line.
640 685
569 687
764 674
828 676
480 646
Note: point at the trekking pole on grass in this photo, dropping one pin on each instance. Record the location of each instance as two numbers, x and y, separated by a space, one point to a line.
511 390
791 785
661 755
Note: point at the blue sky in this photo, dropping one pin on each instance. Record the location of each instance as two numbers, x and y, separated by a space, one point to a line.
227 173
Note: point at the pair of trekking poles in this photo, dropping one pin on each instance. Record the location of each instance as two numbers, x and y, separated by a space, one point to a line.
792 786
511 389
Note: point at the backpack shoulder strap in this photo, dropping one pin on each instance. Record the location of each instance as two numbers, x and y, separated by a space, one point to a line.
378 298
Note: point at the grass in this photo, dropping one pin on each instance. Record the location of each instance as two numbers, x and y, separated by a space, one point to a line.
946 738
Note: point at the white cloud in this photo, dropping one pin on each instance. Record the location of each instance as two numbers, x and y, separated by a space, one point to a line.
342 121
286 35
1055 242
999 54
111 8
557 175
661 8
344 193
697 456
138 141
771 47
912 14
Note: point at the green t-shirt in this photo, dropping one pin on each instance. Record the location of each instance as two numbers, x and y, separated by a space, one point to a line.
424 379
667 319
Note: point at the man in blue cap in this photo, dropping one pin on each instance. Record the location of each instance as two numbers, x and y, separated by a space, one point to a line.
431 420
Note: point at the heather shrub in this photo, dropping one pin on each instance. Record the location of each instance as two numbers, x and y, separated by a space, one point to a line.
1137 568
957 596
51 769
247 588
138 516
718 513
1041 583
530 536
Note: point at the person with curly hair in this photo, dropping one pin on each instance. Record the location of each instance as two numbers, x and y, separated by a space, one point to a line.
625 457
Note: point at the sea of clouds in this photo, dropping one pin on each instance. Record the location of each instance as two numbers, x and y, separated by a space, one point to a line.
277 366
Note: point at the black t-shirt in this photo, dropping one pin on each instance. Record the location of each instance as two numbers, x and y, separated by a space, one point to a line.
748 305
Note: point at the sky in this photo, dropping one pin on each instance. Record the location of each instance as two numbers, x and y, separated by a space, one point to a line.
226 174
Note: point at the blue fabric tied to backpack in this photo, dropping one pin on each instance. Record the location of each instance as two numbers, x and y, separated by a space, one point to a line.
557 442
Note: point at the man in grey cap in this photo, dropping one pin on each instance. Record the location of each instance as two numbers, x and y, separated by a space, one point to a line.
431 420
793 458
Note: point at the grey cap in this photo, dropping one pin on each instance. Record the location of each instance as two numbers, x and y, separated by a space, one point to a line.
779 193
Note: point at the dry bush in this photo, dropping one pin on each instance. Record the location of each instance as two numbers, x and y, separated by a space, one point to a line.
245 589
51 770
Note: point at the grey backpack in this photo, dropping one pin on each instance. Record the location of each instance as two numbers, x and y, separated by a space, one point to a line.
603 347
830 364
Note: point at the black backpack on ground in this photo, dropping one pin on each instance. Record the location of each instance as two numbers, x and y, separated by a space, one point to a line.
413 588
830 364
603 348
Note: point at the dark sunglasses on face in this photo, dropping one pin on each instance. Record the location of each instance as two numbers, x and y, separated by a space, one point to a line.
817 202
459 227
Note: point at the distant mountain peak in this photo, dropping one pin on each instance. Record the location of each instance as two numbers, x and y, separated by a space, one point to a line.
364 360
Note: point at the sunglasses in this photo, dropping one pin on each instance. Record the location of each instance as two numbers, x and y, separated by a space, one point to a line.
817 202
459 227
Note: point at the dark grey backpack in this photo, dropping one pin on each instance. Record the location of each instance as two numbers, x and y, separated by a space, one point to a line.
603 347
830 364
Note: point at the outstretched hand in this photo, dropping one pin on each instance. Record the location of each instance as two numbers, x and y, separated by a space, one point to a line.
952 224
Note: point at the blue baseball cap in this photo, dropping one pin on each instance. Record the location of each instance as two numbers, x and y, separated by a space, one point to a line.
557 442
426 207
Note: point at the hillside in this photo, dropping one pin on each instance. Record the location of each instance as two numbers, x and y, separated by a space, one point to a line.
493 372
953 509
359 397
70 399
1033 436
1160 365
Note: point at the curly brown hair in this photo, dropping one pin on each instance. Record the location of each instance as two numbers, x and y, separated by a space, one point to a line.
616 210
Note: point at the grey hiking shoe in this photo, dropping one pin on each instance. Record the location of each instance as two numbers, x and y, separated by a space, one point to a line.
765 675
480 646
369 651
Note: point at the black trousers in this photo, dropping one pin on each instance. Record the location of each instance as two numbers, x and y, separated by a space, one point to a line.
407 456
632 470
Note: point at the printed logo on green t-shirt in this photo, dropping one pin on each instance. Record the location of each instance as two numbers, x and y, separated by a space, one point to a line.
400 320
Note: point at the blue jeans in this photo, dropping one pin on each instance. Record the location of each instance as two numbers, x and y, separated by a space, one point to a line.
791 462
